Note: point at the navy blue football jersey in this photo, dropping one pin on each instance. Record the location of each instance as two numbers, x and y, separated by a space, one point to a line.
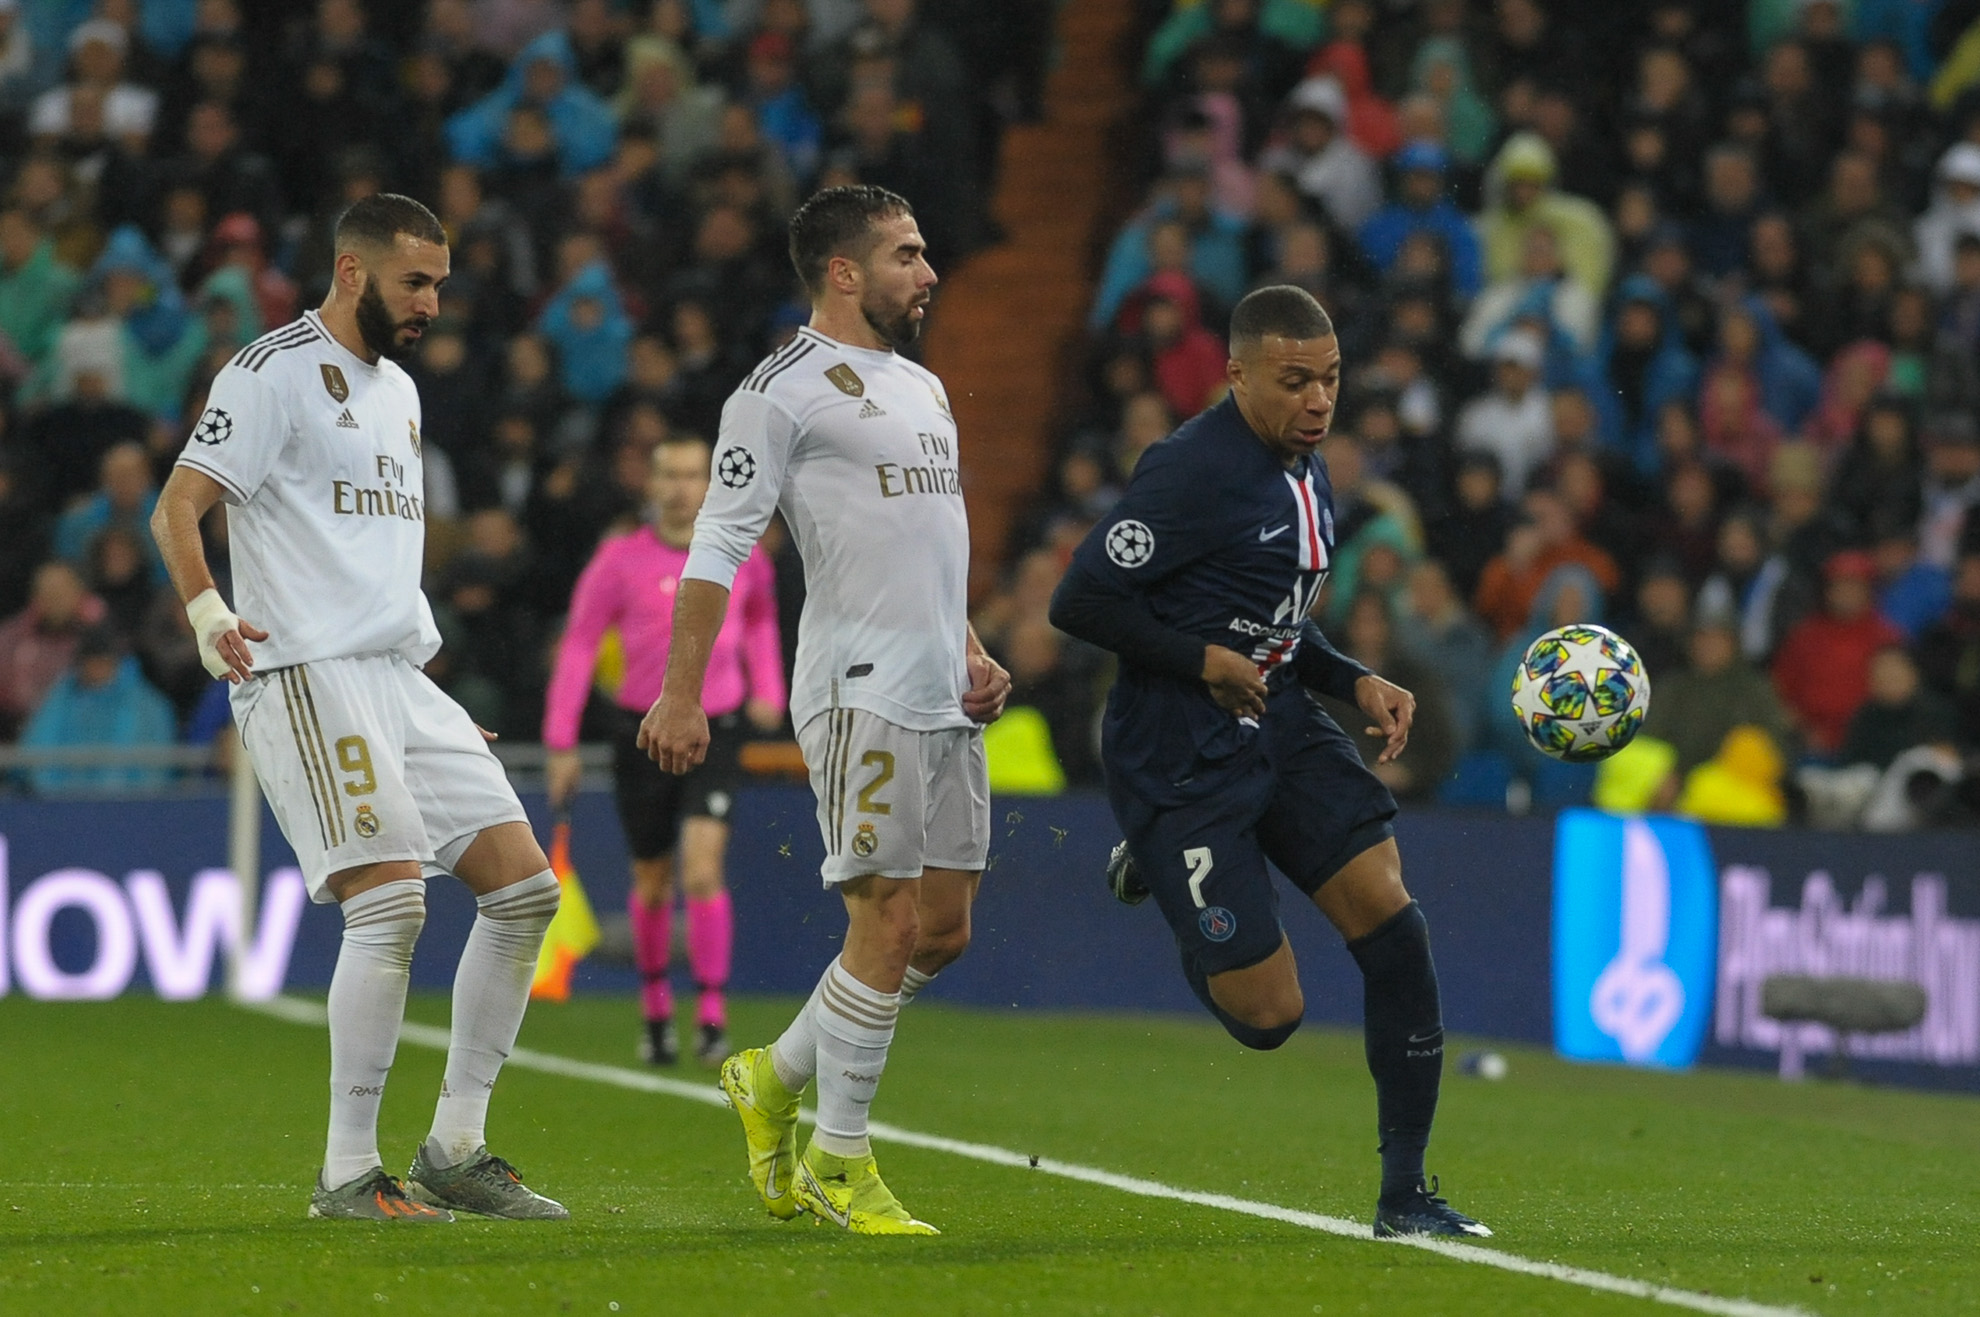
1216 542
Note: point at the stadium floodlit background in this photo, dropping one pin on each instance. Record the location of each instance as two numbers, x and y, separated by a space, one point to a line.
1662 314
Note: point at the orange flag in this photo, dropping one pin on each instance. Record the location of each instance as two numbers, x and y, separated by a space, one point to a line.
574 930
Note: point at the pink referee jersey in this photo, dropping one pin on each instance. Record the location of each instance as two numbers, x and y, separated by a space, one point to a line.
630 582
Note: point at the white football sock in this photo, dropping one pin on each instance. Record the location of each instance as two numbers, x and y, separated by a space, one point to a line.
855 1024
913 982
491 990
794 1056
367 1004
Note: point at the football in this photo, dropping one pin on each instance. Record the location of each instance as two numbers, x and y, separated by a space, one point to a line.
1580 693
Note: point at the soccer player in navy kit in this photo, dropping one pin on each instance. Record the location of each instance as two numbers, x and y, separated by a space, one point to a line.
1218 760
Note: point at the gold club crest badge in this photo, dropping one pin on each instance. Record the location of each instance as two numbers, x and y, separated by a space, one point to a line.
335 383
846 381
413 428
865 841
366 823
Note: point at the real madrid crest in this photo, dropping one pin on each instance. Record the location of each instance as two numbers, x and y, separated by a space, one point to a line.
366 824
846 380
334 381
865 841
413 428
943 403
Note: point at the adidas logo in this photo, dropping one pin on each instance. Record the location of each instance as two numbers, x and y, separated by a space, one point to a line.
348 421
870 409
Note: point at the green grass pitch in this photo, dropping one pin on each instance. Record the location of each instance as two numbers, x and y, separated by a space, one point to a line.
155 1159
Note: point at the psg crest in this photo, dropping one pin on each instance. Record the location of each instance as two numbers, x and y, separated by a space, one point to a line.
1216 923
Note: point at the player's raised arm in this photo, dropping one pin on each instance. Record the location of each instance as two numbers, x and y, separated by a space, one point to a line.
747 474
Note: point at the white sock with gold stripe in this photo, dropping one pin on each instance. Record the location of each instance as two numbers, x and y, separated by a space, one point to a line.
367 1004
491 991
854 1025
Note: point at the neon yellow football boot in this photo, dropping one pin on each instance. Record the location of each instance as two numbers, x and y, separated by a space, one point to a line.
769 1113
848 1192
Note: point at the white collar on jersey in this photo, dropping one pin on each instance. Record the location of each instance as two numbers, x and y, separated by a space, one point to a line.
316 320
827 341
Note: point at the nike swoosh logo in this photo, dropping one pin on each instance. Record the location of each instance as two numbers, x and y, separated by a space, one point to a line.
818 1192
1433 1035
770 1189
1264 535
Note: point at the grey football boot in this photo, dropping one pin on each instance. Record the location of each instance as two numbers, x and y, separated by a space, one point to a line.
483 1184
373 1196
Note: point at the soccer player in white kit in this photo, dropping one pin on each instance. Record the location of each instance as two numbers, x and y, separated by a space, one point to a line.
856 446
311 439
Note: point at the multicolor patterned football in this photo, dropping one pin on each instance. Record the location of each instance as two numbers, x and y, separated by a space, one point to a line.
1580 693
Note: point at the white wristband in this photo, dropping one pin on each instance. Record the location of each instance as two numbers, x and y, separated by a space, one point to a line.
211 619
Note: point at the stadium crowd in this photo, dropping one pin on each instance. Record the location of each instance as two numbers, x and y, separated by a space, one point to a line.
614 176
1662 314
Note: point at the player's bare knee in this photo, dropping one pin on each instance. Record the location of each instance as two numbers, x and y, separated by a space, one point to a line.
1278 1012
702 881
653 880
940 947
1267 1038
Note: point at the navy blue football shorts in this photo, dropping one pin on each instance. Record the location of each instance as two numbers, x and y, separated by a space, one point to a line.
1307 805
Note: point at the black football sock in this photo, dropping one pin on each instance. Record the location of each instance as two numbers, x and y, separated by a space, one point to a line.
1403 1028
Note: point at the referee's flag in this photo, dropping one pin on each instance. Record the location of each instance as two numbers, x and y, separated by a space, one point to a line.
574 930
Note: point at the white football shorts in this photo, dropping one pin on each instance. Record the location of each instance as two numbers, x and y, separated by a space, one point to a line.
363 759
894 802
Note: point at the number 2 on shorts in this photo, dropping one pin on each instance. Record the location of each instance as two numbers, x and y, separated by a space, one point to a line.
1200 864
884 761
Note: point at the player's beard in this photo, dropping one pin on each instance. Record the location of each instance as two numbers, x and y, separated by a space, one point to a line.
896 325
379 331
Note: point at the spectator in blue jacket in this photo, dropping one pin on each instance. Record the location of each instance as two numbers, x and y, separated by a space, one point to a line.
125 496
1790 382
1642 364
1216 245
543 75
102 700
592 333
783 115
1421 204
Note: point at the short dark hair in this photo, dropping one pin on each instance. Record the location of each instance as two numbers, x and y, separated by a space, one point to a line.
378 219
839 222
1280 310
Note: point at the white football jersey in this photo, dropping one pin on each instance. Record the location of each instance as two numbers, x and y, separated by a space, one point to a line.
318 451
858 450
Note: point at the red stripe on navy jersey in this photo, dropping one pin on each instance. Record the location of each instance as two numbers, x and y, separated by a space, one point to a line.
1309 522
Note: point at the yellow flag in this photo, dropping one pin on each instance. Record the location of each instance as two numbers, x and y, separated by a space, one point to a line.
574 930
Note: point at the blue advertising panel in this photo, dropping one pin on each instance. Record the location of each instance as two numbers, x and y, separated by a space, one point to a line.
1661 934
1635 938
101 898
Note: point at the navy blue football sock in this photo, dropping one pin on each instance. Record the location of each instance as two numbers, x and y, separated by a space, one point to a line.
1259 1040
1403 1029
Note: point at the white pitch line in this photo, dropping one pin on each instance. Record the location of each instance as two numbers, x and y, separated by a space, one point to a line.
299 1011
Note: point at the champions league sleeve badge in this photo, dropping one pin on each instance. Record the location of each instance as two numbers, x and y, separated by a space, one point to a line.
214 427
1130 544
736 467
